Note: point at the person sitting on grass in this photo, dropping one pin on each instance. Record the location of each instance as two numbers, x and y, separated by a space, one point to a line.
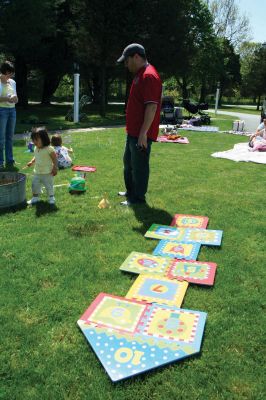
45 165
63 158
258 139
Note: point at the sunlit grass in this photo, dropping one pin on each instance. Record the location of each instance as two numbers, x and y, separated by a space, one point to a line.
54 262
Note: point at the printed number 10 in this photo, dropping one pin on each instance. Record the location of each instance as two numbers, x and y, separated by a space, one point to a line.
124 355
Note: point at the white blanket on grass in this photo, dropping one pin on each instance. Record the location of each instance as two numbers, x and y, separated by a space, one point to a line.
241 152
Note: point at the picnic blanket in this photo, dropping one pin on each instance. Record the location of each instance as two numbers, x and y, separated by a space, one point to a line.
240 152
203 128
164 139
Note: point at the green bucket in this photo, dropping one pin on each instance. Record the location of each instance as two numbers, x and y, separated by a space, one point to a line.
77 185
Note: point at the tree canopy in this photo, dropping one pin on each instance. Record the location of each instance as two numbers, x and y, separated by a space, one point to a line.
193 41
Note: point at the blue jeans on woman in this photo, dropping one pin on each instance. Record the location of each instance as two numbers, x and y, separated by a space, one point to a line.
7 129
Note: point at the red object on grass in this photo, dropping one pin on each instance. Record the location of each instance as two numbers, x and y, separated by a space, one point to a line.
83 168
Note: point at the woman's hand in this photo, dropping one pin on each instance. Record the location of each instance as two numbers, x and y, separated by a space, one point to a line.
12 99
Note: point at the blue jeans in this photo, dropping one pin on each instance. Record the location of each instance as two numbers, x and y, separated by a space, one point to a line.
136 170
7 128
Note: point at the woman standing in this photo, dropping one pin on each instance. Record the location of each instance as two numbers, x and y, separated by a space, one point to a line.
8 99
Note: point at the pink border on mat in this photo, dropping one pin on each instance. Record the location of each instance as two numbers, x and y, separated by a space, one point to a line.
203 224
86 316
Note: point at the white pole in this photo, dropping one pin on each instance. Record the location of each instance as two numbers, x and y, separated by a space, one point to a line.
76 97
217 97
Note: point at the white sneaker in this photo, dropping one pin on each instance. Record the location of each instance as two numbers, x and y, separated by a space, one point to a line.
34 200
122 194
125 203
51 200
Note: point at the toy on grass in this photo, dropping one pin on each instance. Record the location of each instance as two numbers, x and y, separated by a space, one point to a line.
83 168
28 142
104 203
77 185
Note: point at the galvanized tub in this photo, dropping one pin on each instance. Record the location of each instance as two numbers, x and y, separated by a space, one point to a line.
12 189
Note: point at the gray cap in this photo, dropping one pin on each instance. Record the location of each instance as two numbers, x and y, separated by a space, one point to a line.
130 50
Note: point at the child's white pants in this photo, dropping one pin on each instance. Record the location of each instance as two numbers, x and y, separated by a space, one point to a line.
46 180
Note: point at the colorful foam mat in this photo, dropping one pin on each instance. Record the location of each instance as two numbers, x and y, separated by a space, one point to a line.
131 337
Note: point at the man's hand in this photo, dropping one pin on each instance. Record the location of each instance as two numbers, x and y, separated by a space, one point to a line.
142 141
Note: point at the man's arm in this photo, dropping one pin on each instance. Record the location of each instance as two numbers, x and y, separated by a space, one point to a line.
149 114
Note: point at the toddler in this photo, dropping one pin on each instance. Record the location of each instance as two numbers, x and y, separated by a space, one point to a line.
63 158
45 165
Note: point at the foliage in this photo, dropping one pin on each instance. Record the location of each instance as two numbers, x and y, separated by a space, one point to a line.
65 88
47 36
229 68
56 261
229 22
254 76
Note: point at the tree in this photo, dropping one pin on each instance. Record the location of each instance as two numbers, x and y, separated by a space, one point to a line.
229 71
254 76
179 33
99 32
228 21
23 36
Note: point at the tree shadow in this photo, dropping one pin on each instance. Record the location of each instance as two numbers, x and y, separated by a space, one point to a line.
147 216
43 208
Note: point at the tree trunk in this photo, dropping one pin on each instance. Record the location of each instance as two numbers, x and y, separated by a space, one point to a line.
50 84
203 91
183 86
96 87
258 102
21 81
103 91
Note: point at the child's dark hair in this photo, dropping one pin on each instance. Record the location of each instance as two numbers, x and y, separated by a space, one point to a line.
56 140
7 67
40 132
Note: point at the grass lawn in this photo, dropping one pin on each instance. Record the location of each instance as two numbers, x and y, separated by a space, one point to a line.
243 110
53 116
54 262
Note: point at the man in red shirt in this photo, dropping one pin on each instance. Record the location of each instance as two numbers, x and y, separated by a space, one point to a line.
142 122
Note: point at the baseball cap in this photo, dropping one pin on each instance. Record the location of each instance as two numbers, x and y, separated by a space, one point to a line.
130 50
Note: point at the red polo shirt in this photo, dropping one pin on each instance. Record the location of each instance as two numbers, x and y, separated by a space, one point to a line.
146 88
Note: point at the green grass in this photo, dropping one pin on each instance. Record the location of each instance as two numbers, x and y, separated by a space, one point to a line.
243 110
53 116
54 262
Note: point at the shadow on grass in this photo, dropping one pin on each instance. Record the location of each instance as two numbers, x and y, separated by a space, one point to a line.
43 208
13 209
147 216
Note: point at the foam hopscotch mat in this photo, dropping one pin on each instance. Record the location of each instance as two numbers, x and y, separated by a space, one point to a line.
189 221
198 272
154 289
141 263
176 249
202 273
131 337
203 236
